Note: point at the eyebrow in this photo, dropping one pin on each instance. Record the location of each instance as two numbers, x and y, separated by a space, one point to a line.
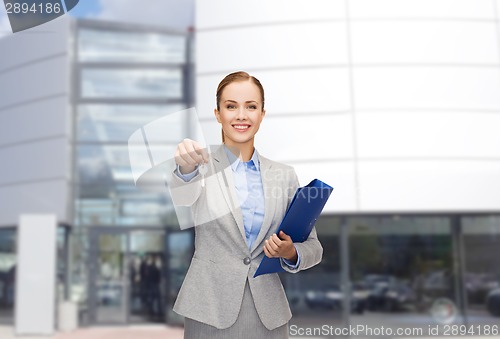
245 101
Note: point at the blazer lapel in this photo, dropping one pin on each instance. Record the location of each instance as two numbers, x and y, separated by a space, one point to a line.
268 184
224 174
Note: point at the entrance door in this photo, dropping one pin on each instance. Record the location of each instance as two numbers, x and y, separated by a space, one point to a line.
109 286
179 251
147 276
127 276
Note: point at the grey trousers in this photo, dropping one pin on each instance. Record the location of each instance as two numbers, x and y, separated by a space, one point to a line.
247 326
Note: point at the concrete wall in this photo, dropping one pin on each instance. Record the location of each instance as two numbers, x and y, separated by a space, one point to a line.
35 123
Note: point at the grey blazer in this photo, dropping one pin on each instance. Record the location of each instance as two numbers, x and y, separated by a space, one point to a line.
213 287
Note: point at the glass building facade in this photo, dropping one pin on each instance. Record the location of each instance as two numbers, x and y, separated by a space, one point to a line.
125 77
401 271
7 274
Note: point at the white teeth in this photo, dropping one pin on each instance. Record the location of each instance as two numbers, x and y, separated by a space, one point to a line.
241 127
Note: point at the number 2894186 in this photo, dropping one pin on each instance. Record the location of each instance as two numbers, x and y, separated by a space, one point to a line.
24 8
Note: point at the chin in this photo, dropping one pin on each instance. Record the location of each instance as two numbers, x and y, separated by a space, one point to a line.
238 139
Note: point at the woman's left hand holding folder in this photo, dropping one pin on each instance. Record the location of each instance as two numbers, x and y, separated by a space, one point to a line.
275 247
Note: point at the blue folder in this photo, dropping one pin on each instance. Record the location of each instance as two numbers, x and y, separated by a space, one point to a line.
299 219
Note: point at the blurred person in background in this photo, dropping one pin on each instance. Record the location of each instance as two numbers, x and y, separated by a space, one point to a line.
145 278
156 302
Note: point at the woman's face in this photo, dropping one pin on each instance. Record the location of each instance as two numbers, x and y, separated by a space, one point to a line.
240 112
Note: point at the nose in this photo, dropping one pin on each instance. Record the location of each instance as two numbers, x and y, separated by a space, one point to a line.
241 113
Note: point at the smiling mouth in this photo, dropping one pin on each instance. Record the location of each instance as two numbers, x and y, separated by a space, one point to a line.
241 128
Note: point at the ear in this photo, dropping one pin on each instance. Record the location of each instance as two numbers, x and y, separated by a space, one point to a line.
217 115
263 113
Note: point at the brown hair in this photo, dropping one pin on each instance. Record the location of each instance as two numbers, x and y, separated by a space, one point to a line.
233 77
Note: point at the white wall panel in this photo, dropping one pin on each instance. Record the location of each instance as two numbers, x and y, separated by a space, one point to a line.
428 134
35 161
284 45
49 39
24 122
38 197
288 91
443 112
476 9
427 87
211 131
206 87
306 137
306 90
35 81
339 175
424 41
36 274
223 13
429 185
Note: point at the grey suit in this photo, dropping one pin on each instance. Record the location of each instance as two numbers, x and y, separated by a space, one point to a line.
213 288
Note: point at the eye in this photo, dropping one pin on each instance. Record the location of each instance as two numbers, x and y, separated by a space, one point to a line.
252 107
231 107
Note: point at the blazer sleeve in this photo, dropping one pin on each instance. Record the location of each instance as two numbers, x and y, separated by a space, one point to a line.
184 193
311 251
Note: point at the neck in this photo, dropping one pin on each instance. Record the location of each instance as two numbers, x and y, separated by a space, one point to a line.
242 150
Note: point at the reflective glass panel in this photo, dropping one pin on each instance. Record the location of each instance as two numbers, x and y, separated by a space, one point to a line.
8 260
109 165
402 271
116 123
131 83
107 46
111 285
315 295
179 253
481 239
108 195
147 276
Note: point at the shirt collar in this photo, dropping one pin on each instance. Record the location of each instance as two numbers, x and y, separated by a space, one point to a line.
234 161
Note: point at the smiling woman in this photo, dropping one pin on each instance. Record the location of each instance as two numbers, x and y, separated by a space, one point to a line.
237 113
219 297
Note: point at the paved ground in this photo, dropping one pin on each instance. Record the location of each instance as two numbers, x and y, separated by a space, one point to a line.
125 332
151 332
146 332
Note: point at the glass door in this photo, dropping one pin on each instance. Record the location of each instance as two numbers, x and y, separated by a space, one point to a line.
127 276
179 250
147 276
109 283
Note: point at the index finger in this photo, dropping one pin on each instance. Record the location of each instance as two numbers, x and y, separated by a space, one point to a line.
276 239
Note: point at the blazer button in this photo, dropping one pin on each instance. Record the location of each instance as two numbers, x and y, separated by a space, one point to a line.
246 261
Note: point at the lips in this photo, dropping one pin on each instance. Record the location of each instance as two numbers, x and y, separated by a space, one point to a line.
241 127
